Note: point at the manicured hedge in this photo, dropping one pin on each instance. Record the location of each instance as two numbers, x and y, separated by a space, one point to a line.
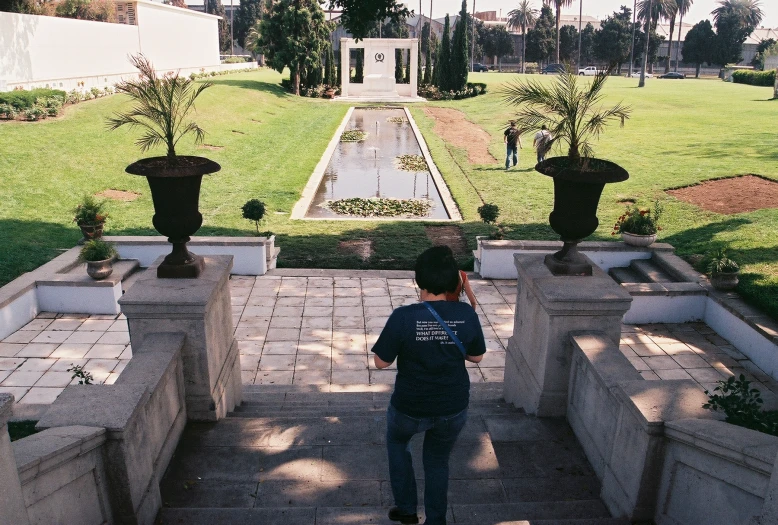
754 78
26 99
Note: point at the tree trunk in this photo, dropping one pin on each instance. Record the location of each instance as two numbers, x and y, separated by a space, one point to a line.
642 82
558 14
678 45
697 73
523 47
670 44
296 79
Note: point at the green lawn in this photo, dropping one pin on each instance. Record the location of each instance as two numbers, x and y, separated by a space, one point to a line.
681 132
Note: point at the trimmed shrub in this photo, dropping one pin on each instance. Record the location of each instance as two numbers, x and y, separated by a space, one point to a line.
8 112
35 113
22 100
754 78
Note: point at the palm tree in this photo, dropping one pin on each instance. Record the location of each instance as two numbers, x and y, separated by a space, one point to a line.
523 16
683 8
649 12
673 12
748 12
559 4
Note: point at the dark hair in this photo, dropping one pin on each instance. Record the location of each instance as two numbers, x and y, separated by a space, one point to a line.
436 270
543 127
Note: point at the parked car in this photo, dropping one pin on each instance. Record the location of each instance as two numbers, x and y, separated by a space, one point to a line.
588 71
672 74
480 68
551 69
636 74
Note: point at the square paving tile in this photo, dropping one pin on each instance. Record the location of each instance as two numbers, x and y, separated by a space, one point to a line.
115 338
37 365
10 349
691 361
672 374
21 378
51 336
37 350
105 351
84 337
275 377
41 395
661 363
270 362
65 324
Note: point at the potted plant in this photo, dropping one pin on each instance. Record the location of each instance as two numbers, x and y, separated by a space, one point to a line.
570 108
90 216
638 226
162 106
98 256
723 271
254 210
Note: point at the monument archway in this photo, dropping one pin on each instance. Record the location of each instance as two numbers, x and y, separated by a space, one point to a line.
379 83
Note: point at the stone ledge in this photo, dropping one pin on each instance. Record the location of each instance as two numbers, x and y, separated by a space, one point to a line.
664 289
77 276
48 449
585 246
610 366
655 402
155 240
734 443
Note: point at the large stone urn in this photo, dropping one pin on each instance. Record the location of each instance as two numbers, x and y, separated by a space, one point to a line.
176 194
577 191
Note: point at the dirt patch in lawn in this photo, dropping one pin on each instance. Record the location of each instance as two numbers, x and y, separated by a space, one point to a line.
731 195
363 248
454 128
118 195
210 147
450 236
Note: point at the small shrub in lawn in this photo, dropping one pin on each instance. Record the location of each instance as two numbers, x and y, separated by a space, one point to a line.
35 113
489 213
754 78
96 92
8 112
73 97
254 210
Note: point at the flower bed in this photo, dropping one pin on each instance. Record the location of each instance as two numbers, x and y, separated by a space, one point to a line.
470 90
353 135
377 207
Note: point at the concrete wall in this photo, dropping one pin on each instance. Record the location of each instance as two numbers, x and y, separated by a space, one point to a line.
38 51
659 454
104 448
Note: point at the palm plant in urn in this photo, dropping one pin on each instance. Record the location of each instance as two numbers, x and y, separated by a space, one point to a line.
162 106
571 109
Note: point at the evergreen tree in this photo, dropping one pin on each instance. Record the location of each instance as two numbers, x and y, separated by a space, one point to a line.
329 72
419 77
436 67
215 7
541 39
568 43
443 64
338 79
408 69
427 80
612 42
294 35
248 13
359 68
460 50
699 45
587 44
398 66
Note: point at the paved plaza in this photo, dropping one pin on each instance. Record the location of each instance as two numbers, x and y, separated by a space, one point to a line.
316 327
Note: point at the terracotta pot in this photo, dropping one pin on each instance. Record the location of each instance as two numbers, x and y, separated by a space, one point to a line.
725 280
176 195
576 196
90 231
634 239
99 269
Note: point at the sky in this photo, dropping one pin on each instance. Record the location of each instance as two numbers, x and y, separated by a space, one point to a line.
598 8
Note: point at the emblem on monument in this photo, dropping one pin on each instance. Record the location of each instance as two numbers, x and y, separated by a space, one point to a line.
379 57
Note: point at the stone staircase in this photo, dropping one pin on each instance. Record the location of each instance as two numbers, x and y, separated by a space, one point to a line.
296 455
660 268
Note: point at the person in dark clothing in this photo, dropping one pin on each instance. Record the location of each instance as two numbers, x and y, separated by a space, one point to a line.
512 139
432 388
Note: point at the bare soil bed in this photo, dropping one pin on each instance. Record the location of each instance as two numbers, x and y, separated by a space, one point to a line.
118 195
731 195
454 128
451 236
363 248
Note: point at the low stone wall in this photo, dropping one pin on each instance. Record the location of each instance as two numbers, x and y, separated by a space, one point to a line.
713 473
104 448
659 455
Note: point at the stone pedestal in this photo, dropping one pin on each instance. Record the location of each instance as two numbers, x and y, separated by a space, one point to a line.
12 509
548 309
201 310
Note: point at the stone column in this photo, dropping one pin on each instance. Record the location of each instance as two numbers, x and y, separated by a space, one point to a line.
770 507
201 310
345 66
414 67
12 509
548 309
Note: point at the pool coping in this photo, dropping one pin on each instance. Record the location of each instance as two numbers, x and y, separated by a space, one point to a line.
309 192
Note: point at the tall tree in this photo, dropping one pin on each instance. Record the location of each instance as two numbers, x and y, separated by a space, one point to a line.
215 7
248 13
294 35
360 16
699 45
435 80
498 44
683 8
568 43
443 64
329 69
613 40
734 21
587 44
524 16
672 13
540 39
460 50
559 4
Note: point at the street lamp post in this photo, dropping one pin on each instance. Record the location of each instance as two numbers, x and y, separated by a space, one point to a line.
632 46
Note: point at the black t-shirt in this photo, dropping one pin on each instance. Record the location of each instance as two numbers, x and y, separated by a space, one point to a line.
513 136
431 375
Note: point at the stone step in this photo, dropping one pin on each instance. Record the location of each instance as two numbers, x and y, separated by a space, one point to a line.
651 271
547 513
625 274
345 411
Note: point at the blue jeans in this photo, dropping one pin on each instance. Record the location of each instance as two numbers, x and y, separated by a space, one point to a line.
440 434
511 149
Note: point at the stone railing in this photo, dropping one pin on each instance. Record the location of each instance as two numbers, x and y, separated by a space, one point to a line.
102 449
659 455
